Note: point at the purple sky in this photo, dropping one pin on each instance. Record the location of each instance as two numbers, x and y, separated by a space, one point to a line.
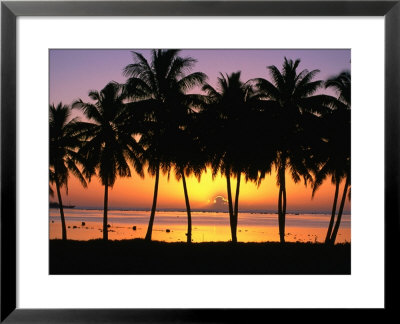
74 72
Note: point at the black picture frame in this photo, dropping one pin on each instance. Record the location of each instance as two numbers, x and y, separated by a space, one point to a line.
10 10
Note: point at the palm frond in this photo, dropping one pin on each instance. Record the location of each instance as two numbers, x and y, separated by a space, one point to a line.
192 80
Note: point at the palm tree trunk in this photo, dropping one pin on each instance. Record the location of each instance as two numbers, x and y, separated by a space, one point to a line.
279 208
282 206
189 230
236 210
63 227
231 218
336 229
153 207
329 233
280 215
105 221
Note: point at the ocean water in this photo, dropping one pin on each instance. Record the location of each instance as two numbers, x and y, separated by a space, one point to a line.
171 226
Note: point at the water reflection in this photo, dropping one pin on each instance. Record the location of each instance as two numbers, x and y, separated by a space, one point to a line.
172 227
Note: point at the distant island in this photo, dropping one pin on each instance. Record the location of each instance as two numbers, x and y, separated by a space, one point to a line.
56 205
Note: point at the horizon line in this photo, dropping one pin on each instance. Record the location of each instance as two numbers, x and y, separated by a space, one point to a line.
259 211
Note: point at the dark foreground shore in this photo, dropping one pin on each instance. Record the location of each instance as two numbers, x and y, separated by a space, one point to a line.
140 257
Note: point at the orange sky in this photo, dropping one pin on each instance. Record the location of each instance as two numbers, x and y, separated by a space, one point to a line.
134 192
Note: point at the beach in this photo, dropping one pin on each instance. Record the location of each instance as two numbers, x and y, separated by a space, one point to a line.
141 257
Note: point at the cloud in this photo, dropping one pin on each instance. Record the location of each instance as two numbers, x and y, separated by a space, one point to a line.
220 202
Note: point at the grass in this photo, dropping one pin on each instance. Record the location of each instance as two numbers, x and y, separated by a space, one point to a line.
140 257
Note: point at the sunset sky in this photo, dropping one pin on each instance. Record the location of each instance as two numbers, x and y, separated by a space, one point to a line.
73 73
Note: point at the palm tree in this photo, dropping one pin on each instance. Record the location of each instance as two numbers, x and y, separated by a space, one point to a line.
336 149
228 141
188 158
295 94
159 89
111 144
335 161
66 137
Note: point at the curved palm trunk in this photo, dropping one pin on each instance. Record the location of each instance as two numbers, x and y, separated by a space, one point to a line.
189 230
330 227
153 207
105 221
63 227
236 210
336 229
282 206
231 217
280 210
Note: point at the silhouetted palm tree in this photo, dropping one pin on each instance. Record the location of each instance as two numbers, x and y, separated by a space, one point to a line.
295 94
66 137
231 107
187 158
160 91
111 144
336 149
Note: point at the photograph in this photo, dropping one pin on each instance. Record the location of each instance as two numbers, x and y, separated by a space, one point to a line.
199 161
